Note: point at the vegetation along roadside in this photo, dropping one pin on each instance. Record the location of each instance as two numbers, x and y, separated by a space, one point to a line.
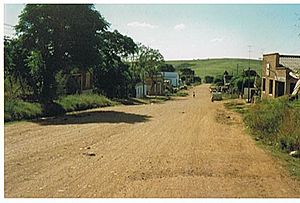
274 124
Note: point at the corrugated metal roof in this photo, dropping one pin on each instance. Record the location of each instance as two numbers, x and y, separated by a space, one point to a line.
291 62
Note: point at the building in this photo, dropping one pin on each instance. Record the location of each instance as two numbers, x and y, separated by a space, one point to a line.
276 78
173 77
155 85
80 82
139 90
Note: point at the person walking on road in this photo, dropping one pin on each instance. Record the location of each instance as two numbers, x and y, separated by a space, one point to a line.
194 95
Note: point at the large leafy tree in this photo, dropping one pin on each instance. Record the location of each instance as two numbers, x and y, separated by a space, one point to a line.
113 76
149 61
15 70
60 37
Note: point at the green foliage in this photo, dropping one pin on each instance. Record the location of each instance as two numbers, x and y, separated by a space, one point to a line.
149 62
83 101
15 109
58 37
208 79
197 79
218 80
215 67
267 116
166 68
276 121
181 94
283 136
187 71
185 65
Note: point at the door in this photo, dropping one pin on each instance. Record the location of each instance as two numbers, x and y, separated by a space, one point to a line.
279 88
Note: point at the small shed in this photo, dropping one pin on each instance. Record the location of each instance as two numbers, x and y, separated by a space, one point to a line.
139 90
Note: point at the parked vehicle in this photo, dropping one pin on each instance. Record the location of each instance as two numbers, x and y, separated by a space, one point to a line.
216 96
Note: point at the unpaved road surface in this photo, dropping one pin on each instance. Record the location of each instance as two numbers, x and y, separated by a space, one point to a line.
187 147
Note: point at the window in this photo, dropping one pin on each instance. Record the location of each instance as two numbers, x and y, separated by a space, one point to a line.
271 87
264 84
268 69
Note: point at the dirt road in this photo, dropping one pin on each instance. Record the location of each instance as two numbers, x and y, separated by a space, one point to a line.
187 147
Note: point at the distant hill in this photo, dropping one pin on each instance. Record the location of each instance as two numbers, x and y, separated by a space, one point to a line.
215 67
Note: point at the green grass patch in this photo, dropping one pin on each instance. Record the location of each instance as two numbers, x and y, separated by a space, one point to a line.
84 101
216 67
227 96
15 109
181 94
239 106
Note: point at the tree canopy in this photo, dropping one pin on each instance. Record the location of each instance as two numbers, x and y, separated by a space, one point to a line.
56 40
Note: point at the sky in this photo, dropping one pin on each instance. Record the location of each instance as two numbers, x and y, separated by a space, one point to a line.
199 31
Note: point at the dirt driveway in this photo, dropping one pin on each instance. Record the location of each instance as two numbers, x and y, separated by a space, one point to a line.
188 147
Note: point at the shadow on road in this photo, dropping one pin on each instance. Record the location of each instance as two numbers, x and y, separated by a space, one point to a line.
95 117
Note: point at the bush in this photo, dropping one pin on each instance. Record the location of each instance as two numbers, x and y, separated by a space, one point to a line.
208 79
83 101
276 121
182 94
15 109
218 80
267 116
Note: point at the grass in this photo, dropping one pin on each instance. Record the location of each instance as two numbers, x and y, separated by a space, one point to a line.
274 124
83 102
215 67
227 96
181 94
16 109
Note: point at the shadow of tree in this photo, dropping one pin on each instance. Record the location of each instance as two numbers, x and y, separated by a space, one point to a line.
95 117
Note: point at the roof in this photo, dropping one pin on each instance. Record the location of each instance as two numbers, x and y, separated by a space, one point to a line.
170 74
291 62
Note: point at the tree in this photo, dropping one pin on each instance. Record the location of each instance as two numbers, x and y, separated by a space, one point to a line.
167 68
15 71
59 37
112 75
149 62
208 79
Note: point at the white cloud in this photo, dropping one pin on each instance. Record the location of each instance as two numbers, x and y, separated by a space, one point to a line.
179 27
217 39
142 25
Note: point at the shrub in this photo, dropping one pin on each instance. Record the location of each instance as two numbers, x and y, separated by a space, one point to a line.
208 79
83 101
182 94
15 109
276 121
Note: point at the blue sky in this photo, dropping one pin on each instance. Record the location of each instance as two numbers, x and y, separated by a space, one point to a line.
201 31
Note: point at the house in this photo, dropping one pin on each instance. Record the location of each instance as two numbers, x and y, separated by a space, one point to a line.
276 78
80 82
139 90
155 85
173 77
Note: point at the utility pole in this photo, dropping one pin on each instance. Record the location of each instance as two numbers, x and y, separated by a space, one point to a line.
249 75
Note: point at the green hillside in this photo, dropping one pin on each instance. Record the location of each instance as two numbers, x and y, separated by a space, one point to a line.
215 67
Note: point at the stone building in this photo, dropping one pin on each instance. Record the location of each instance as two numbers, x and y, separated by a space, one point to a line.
276 78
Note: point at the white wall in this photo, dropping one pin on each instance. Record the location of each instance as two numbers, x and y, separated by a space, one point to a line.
139 90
